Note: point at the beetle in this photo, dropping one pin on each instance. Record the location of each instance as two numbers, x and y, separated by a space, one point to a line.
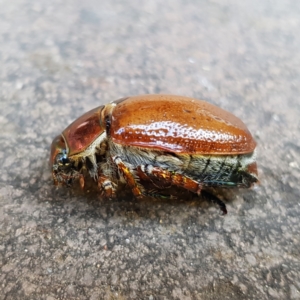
153 142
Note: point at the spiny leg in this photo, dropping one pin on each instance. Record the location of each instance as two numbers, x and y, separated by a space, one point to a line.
171 178
180 180
215 200
128 176
106 185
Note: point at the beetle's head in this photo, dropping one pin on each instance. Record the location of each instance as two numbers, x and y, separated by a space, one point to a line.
62 167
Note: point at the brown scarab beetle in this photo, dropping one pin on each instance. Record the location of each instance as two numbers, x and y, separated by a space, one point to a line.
151 139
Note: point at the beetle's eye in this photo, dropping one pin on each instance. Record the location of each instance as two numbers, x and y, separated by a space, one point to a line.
62 159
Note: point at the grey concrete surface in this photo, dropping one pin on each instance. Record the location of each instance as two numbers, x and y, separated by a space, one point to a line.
59 59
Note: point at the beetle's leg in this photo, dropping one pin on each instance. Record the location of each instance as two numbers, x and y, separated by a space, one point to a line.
171 178
180 180
128 176
106 185
215 200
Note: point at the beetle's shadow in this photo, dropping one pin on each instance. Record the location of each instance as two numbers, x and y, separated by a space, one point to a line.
125 203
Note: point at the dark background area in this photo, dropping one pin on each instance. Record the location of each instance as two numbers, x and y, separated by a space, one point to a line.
59 59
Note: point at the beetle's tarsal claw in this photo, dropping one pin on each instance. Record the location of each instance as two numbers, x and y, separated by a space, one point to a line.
215 200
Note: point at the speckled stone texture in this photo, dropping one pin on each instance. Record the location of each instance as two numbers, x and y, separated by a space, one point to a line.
59 59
